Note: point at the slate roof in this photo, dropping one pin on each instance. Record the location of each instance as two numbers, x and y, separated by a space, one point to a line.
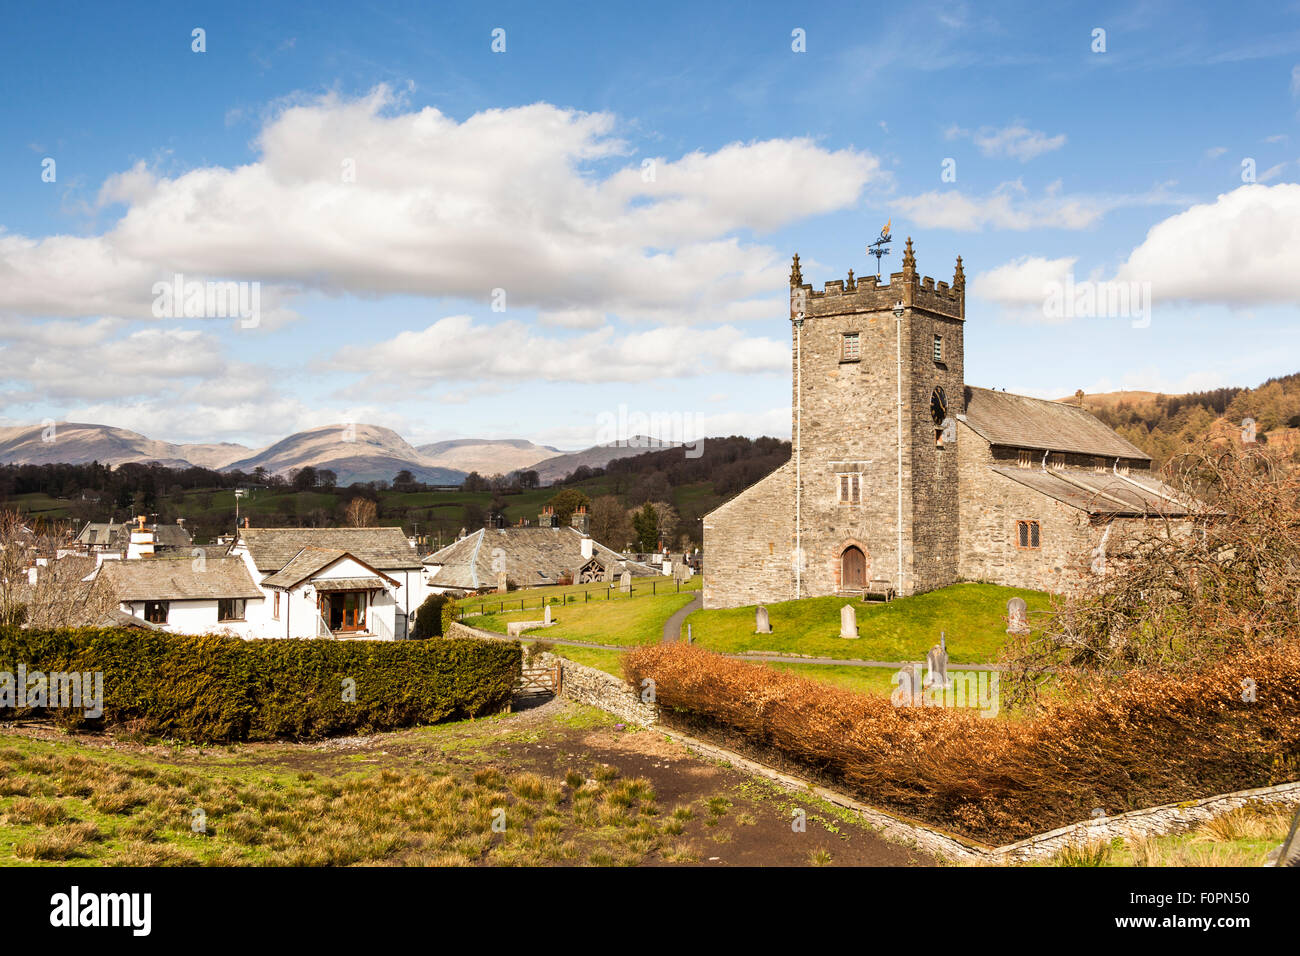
117 535
1099 494
310 561
1018 421
177 579
532 556
384 548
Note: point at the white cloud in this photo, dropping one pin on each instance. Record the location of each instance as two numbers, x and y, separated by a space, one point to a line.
1022 283
1011 207
1240 249
508 199
1009 142
456 347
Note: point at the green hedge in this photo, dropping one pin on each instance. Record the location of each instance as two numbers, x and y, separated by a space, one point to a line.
211 688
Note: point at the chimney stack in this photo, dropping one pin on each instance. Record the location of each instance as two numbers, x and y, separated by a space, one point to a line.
581 520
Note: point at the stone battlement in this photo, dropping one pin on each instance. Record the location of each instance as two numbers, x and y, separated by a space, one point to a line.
868 294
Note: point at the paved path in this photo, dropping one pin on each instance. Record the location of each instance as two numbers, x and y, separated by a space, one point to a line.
673 626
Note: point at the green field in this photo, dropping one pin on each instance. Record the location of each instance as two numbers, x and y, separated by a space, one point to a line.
972 616
624 621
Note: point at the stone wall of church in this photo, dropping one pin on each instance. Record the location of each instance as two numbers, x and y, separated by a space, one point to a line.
749 545
991 504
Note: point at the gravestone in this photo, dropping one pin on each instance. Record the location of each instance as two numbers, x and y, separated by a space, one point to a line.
936 668
907 691
848 622
681 570
546 616
625 582
501 582
761 623
1017 616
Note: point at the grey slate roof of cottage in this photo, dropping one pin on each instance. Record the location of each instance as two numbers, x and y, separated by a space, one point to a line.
177 579
532 556
117 535
1018 421
384 548
309 561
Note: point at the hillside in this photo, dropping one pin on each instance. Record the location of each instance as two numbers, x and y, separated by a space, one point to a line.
353 452
78 443
485 455
561 466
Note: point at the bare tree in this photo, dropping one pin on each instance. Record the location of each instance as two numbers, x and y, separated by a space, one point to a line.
16 547
361 513
39 589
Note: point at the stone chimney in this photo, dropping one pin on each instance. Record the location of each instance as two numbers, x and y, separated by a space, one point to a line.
581 520
547 518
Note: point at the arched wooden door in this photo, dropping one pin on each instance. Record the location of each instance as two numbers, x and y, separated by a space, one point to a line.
853 568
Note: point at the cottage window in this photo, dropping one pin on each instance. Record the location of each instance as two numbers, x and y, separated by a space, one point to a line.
1027 535
851 347
232 609
850 489
275 611
1025 460
155 612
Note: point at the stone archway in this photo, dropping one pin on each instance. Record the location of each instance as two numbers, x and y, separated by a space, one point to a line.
854 568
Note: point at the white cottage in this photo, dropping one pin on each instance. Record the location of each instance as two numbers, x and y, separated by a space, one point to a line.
187 595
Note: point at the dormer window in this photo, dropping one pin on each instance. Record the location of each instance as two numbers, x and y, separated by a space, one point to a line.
850 347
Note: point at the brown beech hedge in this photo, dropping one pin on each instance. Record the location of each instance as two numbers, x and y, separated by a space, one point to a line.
212 688
1152 740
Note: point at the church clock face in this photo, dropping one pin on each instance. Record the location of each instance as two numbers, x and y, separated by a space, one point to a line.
938 406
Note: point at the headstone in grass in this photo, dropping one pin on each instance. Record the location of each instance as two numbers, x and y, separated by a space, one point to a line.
1017 616
546 617
501 582
936 668
848 622
625 582
761 623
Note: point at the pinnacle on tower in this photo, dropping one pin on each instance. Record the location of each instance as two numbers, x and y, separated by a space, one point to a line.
909 260
796 277
959 278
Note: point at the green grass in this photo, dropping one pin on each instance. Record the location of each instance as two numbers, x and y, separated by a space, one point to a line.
611 662
971 615
625 622
560 594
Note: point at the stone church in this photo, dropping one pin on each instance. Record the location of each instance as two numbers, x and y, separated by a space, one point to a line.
903 478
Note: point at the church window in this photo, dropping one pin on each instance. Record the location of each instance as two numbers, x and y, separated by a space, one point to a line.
1058 461
1099 465
1027 535
1025 460
851 348
850 490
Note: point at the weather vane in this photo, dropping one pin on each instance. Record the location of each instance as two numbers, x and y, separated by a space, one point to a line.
880 247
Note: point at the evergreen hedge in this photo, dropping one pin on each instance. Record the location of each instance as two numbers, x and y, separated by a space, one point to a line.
211 688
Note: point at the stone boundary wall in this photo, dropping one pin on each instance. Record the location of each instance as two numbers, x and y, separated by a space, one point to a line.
593 687
583 684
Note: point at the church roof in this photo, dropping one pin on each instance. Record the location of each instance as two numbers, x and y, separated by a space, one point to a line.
529 556
1018 421
1100 494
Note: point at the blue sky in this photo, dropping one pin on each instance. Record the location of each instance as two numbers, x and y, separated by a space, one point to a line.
519 178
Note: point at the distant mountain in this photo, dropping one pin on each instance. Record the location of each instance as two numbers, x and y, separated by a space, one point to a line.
354 452
487 456
598 456
78 443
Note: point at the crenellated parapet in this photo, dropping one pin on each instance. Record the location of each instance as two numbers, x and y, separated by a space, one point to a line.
869 294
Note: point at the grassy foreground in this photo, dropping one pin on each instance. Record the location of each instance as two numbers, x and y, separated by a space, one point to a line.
1242 837
973 617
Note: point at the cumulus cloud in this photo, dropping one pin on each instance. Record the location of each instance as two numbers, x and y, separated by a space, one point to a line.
1009 142
1021 283
1010 206
362 196
457 347
1240 249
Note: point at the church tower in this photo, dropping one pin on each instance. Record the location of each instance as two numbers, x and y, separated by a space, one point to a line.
878 384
